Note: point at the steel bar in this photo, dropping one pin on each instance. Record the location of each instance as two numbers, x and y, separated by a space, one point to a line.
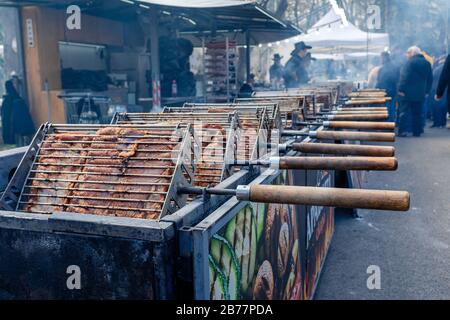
97 190
88 206
92 198
93 173
120 183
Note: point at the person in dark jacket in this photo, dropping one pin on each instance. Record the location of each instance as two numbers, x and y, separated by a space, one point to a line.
246 90
22 127
416 78
295 73
444 84
438 107
388 77
6 112
276 71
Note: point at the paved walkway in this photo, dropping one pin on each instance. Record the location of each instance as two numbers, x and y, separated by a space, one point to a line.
413 249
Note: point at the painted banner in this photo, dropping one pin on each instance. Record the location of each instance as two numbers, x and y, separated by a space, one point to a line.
258 255
319 231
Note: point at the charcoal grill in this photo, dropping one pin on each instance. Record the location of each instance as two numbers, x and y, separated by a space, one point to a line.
144 253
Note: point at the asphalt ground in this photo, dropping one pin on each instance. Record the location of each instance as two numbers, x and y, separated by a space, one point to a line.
412 250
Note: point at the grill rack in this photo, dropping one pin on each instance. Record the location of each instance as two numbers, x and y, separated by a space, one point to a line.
27 184
230 122
296 105
267 119
291 109
251 107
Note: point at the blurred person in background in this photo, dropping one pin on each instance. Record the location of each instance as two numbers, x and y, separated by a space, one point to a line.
427 106
246 90
21 127
6 112
438 107
276 72
295 72
416 79
443 84
388 77
373 76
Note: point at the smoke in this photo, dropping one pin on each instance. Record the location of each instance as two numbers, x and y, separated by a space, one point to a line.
424 23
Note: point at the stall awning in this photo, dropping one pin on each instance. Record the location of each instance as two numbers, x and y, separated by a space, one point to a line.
193 19
233 19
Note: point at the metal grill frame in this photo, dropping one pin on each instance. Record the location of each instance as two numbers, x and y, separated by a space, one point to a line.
234 125
182 175
267 113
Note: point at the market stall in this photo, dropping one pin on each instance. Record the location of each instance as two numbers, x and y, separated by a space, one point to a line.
138 60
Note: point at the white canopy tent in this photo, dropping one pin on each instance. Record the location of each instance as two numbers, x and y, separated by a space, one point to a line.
344 56
332 39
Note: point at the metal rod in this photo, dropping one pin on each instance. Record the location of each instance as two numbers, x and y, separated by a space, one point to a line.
114 142
108 158
88 206
120 183
96 190
103 174
101 149
94 198
200 191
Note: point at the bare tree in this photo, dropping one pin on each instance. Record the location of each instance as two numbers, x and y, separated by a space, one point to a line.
422 22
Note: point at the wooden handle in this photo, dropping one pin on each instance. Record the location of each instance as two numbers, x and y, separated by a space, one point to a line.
369 117
382 110
344 149
359 125
363 113
371 98
355 136
375 95
331 197
339 163
366 102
